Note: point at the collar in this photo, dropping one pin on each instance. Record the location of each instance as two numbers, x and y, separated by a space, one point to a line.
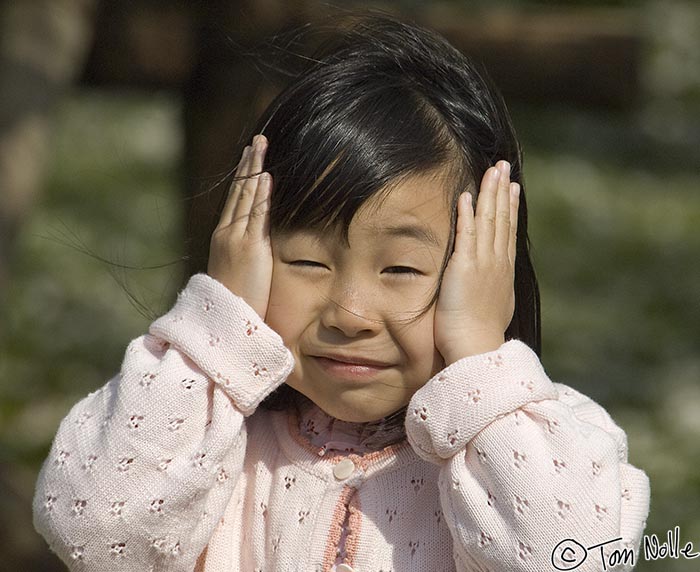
326 433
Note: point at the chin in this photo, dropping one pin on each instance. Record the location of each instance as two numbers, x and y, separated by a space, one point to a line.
356 413
350 407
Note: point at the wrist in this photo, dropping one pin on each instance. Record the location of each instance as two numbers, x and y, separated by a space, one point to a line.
475 345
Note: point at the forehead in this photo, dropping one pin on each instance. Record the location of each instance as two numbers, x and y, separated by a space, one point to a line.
416 203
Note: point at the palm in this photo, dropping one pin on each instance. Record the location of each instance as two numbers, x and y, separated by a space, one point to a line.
240 256
477 298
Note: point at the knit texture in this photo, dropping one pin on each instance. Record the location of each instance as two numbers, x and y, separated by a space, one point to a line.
172 467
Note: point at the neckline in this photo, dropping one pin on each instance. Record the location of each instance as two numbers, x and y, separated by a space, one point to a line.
327 433
301 452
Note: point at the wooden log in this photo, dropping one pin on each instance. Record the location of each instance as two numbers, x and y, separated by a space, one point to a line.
587 57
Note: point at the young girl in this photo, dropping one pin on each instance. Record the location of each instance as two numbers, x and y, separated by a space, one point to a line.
354 384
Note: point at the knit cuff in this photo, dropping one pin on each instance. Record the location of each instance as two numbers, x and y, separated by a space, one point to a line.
448 411
227 340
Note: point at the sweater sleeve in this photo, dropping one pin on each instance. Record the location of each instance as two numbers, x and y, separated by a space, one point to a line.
533 474
141 471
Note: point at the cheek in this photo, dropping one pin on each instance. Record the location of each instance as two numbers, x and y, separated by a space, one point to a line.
418 342
287 310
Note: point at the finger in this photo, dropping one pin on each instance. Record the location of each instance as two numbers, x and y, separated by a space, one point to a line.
260 212
502 230
486 212
514 205
234 191
246 198
465 235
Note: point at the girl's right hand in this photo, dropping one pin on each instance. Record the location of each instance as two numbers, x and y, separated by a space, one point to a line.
240 255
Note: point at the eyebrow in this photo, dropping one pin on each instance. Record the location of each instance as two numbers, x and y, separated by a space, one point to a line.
420 233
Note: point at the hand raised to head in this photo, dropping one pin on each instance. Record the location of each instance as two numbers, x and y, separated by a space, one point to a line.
477 297
240 254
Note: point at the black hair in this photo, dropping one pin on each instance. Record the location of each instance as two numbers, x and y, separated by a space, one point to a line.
382 100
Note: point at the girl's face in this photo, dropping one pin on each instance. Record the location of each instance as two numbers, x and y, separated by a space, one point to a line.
347 311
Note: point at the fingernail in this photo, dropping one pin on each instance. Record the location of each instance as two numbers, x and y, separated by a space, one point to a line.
495 174
515 189
505 167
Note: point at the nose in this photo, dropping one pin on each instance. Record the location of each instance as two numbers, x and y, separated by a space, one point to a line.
347 311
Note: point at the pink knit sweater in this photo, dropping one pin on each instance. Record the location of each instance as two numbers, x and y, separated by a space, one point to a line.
171 467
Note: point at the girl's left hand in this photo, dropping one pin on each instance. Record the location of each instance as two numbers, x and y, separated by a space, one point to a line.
477 296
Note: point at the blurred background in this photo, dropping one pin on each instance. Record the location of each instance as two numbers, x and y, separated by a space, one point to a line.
118 119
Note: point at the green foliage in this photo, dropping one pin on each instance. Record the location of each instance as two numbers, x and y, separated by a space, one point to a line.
614 215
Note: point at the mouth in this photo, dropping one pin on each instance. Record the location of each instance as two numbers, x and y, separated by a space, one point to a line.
353 360
350 367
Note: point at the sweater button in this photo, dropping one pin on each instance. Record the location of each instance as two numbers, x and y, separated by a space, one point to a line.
344 568
341 472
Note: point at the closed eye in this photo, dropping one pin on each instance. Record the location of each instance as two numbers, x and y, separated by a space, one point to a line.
402 270
307 263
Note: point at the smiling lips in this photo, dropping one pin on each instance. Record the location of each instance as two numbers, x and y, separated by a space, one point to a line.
351 367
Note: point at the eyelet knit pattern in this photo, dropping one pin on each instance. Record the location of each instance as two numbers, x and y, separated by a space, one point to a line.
171 467
526 445
139 473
